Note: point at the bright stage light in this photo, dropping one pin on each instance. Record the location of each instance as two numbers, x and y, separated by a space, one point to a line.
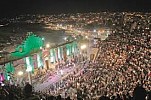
47 45
83 46
86 37
20 73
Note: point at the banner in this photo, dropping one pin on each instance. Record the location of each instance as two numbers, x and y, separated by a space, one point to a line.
52 56
59 53
39 60
35 63
29 64
61 50
67 49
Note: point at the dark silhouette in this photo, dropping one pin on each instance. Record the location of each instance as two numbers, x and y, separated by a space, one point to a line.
139 93
27 90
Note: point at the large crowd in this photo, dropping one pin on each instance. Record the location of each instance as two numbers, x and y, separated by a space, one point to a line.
122 71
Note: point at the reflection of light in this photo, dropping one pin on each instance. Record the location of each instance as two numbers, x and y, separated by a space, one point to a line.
20 73
47 45
83 46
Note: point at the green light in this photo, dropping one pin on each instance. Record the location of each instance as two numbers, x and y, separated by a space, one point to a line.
31 44
9 68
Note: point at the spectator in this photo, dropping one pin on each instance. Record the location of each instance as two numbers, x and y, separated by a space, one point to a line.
27 90
139 93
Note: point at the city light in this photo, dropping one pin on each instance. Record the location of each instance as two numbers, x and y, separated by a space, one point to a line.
83 46
20 73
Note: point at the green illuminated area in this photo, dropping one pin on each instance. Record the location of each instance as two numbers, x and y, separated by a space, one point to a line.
31 44
9 68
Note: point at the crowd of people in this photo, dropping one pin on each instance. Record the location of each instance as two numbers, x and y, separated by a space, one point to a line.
12 92
122 71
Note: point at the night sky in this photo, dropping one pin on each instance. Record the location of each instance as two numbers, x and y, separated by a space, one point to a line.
15 7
